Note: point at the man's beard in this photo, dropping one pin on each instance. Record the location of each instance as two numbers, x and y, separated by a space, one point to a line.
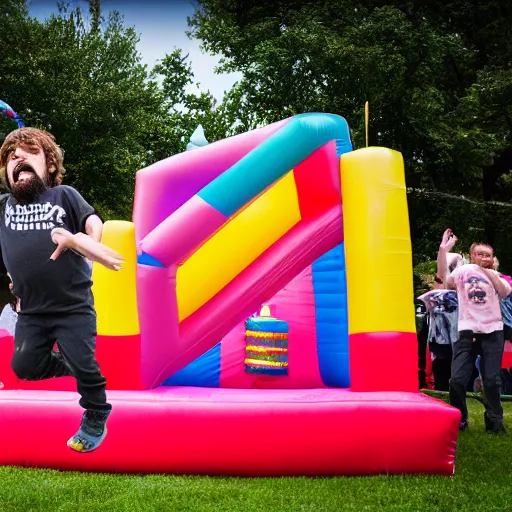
26 192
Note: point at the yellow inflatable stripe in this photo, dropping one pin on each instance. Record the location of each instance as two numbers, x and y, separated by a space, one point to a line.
115 294
377 242
237 245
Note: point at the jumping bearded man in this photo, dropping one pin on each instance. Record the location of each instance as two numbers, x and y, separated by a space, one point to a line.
47 230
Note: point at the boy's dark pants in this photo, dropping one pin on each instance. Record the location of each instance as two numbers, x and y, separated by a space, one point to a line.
490 347
75 334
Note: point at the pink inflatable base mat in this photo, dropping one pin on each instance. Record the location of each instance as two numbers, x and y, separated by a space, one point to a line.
186 430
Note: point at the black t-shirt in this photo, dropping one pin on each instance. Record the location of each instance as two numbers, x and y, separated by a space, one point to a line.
42 285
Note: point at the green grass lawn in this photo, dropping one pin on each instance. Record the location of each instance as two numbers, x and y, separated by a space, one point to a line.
483 482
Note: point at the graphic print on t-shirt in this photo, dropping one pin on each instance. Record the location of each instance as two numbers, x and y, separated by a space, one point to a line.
476 294
479 302
34 216
42 284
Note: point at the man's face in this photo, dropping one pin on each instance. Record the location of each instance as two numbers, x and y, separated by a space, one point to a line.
27 173
482 256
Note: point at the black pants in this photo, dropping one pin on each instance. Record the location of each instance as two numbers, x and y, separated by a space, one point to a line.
441 368
441 365
75 335
422 332
490 347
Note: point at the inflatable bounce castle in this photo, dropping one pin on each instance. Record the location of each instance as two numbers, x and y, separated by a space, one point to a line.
263 324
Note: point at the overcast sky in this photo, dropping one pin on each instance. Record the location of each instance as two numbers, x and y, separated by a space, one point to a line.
161 25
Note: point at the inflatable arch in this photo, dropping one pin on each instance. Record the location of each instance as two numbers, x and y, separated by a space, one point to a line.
287 216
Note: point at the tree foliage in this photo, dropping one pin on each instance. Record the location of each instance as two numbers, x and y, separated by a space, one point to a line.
437 76
82 79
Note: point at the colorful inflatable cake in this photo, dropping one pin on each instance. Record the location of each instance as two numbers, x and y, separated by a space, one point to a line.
266 348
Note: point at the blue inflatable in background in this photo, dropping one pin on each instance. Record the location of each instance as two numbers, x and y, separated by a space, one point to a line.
9 112
198 139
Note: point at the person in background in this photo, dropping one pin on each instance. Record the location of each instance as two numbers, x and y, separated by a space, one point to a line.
479 289
506 311
9 315
422 336
442 316
505 304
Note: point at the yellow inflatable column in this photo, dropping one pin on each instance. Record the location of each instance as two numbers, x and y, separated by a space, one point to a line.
382 329
115 293
377 241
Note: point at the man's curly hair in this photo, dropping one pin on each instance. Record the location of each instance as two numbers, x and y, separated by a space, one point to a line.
33 139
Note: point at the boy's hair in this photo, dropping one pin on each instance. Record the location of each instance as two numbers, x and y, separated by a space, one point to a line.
476 244
30 139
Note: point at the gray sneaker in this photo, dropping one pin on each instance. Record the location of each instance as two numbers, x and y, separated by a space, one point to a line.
92 432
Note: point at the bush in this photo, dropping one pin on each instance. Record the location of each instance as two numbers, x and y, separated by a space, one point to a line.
424 274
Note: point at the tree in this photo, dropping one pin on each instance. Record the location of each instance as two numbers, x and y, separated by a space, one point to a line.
83 81
95 12
88 88
437 75
13 31
184 110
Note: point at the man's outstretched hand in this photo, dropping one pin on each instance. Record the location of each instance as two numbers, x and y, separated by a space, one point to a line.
87 247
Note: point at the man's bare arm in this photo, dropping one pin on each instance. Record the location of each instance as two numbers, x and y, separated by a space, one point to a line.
500 286
447 244
87 247
94 227
442 265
